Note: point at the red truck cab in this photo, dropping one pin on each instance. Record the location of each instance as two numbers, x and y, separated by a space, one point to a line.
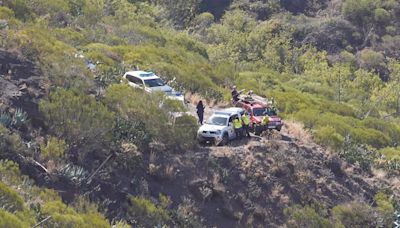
257 111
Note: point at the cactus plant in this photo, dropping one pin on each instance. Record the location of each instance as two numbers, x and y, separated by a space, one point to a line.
5 119
74 173
20 118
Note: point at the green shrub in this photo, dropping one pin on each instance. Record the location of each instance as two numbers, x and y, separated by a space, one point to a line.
299 217
390 153
185 130
10 200
328 136
154 123
385 208
20 8
64 216
362 154
354 214
85 123
10 220
146 213
10 173
54 149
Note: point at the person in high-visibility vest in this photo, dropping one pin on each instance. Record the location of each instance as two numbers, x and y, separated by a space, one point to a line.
246 122
237 124
265 121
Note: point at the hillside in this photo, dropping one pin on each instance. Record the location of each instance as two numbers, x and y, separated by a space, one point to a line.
78 148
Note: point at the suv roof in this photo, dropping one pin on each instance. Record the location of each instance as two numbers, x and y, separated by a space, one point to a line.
229 111
142 74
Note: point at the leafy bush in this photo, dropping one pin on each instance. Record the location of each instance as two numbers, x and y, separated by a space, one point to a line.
155 123
358 153
64 216
9 199
85 123
54 149
354 214
146 213
385 208
306 217
10 220
328 136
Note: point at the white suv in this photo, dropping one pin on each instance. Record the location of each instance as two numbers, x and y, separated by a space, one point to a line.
150 82
219 127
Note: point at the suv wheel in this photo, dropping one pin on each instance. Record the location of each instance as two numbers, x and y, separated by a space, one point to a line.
225 140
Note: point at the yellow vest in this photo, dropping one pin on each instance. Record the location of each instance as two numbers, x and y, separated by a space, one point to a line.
265 120
246 120
237 124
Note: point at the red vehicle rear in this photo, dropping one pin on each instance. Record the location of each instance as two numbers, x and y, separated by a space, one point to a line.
257 111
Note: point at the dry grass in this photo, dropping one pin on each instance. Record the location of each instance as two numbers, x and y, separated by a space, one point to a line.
297 131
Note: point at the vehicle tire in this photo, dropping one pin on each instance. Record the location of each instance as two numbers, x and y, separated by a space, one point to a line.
225 140
279 128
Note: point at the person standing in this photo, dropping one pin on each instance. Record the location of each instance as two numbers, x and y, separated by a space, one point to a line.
237 124
265 122
235 94
200 111
246 122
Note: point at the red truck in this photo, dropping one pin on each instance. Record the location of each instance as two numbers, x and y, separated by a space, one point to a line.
257 110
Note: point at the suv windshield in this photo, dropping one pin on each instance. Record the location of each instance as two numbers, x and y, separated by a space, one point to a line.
271 112
217 120
258 111
154 82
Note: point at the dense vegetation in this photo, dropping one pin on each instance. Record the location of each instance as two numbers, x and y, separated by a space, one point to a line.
333 65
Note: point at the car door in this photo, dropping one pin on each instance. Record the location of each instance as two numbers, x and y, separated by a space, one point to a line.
231 129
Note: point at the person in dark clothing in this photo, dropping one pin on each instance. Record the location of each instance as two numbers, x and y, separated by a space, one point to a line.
235 94
200 111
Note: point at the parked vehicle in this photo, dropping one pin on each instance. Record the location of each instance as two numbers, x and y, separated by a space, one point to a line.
219 129
150 82
258 108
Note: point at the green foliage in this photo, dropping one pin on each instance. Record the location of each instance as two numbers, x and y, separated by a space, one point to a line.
10 173
327 135
74 174
385 208
354 214
132 131
84 123
20 8
306 217
20 118
8 219
10 200
155 123
146 213
54 149
64 216
5 119
358 153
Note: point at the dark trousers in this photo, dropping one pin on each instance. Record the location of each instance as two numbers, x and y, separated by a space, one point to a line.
246 130
201 116
238 132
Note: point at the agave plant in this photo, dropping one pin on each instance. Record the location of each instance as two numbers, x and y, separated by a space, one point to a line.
396 223
20 118
5 119
76 174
